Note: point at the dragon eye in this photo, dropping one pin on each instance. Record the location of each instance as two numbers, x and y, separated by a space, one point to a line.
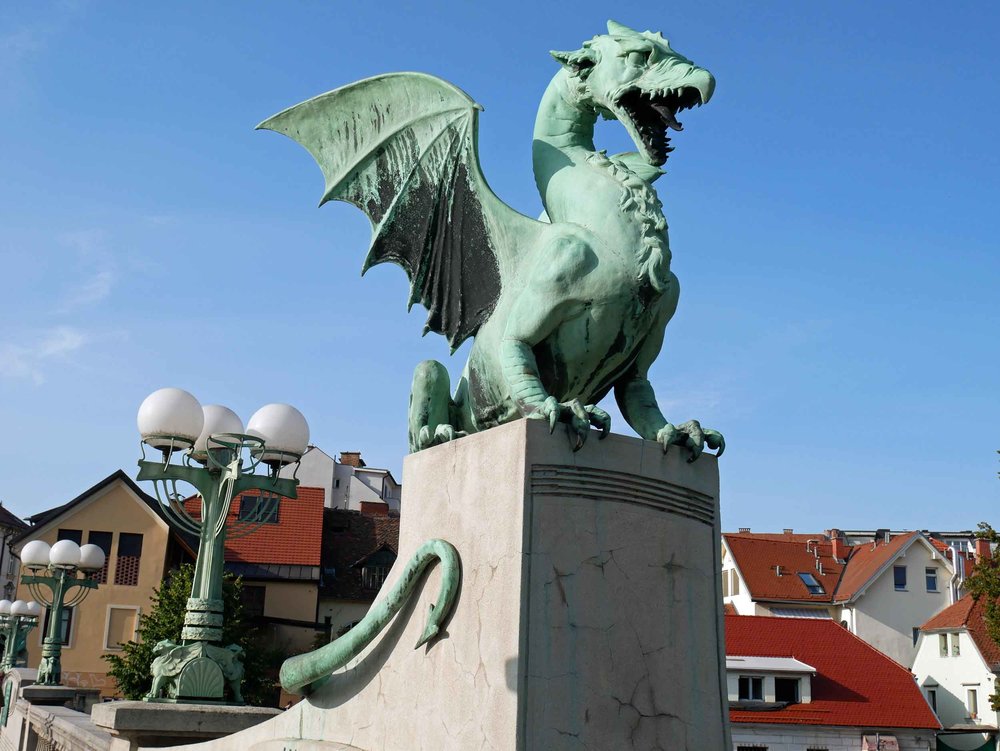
639 59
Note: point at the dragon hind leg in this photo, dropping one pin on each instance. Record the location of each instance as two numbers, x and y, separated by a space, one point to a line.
432 412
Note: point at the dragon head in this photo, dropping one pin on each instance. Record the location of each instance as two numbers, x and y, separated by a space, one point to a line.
636 78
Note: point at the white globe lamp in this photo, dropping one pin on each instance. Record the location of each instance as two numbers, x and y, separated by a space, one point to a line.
91 558
65 554
34 609
19 607
218 419
35 554
284 431
170 418
5 607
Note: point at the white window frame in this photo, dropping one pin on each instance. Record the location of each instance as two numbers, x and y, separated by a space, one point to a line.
930 571
107 624
972 703
751 679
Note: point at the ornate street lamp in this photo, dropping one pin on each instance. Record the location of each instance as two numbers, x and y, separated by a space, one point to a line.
60 570
206 447
16 620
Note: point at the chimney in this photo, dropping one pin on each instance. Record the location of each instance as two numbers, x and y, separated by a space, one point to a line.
777 570
838 548
744 530
882 535
787 530
352 458
983 550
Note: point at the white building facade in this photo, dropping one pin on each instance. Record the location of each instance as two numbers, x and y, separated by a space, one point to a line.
348 483
956 668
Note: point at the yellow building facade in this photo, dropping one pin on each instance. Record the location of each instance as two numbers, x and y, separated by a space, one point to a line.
122 520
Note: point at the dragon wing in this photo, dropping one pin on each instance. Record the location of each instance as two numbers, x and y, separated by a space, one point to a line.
402 147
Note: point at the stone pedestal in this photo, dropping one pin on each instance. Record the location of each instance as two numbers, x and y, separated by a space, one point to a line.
589 615
137 724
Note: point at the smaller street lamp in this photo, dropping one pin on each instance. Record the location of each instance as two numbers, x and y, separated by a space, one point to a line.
207 448
16 620
60 569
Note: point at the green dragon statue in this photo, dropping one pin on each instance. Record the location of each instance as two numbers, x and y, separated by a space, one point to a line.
563 309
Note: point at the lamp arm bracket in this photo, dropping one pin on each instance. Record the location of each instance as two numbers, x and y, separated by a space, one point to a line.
282 486
196 476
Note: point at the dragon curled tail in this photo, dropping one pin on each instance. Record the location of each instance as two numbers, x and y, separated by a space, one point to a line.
303 674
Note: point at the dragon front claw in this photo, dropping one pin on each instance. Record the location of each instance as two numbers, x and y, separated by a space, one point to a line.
579 418
441 434
693 436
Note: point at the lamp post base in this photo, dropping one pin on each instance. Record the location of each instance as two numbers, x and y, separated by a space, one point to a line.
196 672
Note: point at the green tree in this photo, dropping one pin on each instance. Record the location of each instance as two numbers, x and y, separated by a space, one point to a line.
984 582
131 667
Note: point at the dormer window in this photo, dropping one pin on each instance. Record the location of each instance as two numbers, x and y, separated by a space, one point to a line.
786 690
751 688
777 681
814 587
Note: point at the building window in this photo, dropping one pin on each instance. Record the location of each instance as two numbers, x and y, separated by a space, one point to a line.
129 555
725 584
932 699
930 574
814 587
735 586
751 688
943 644
916 635
899 578
336 482
11 566
372 577
76 535
751 748
121 627
787 690
67 625
103 541
376 568
972 702
254 508
252 596
956 650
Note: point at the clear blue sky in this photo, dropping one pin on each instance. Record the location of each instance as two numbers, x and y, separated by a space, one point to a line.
833 212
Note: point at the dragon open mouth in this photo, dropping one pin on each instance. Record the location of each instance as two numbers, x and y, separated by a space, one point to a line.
653 112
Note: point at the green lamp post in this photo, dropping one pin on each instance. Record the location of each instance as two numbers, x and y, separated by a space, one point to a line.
16 620
207 448
60 578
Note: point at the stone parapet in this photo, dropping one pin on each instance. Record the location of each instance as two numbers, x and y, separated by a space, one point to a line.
137 724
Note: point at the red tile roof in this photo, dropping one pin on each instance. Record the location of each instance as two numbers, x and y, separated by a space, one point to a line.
969 614
295 540
866 559
756 555
855 685
729 609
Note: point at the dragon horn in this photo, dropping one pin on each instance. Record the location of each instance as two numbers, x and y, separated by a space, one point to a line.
617 29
